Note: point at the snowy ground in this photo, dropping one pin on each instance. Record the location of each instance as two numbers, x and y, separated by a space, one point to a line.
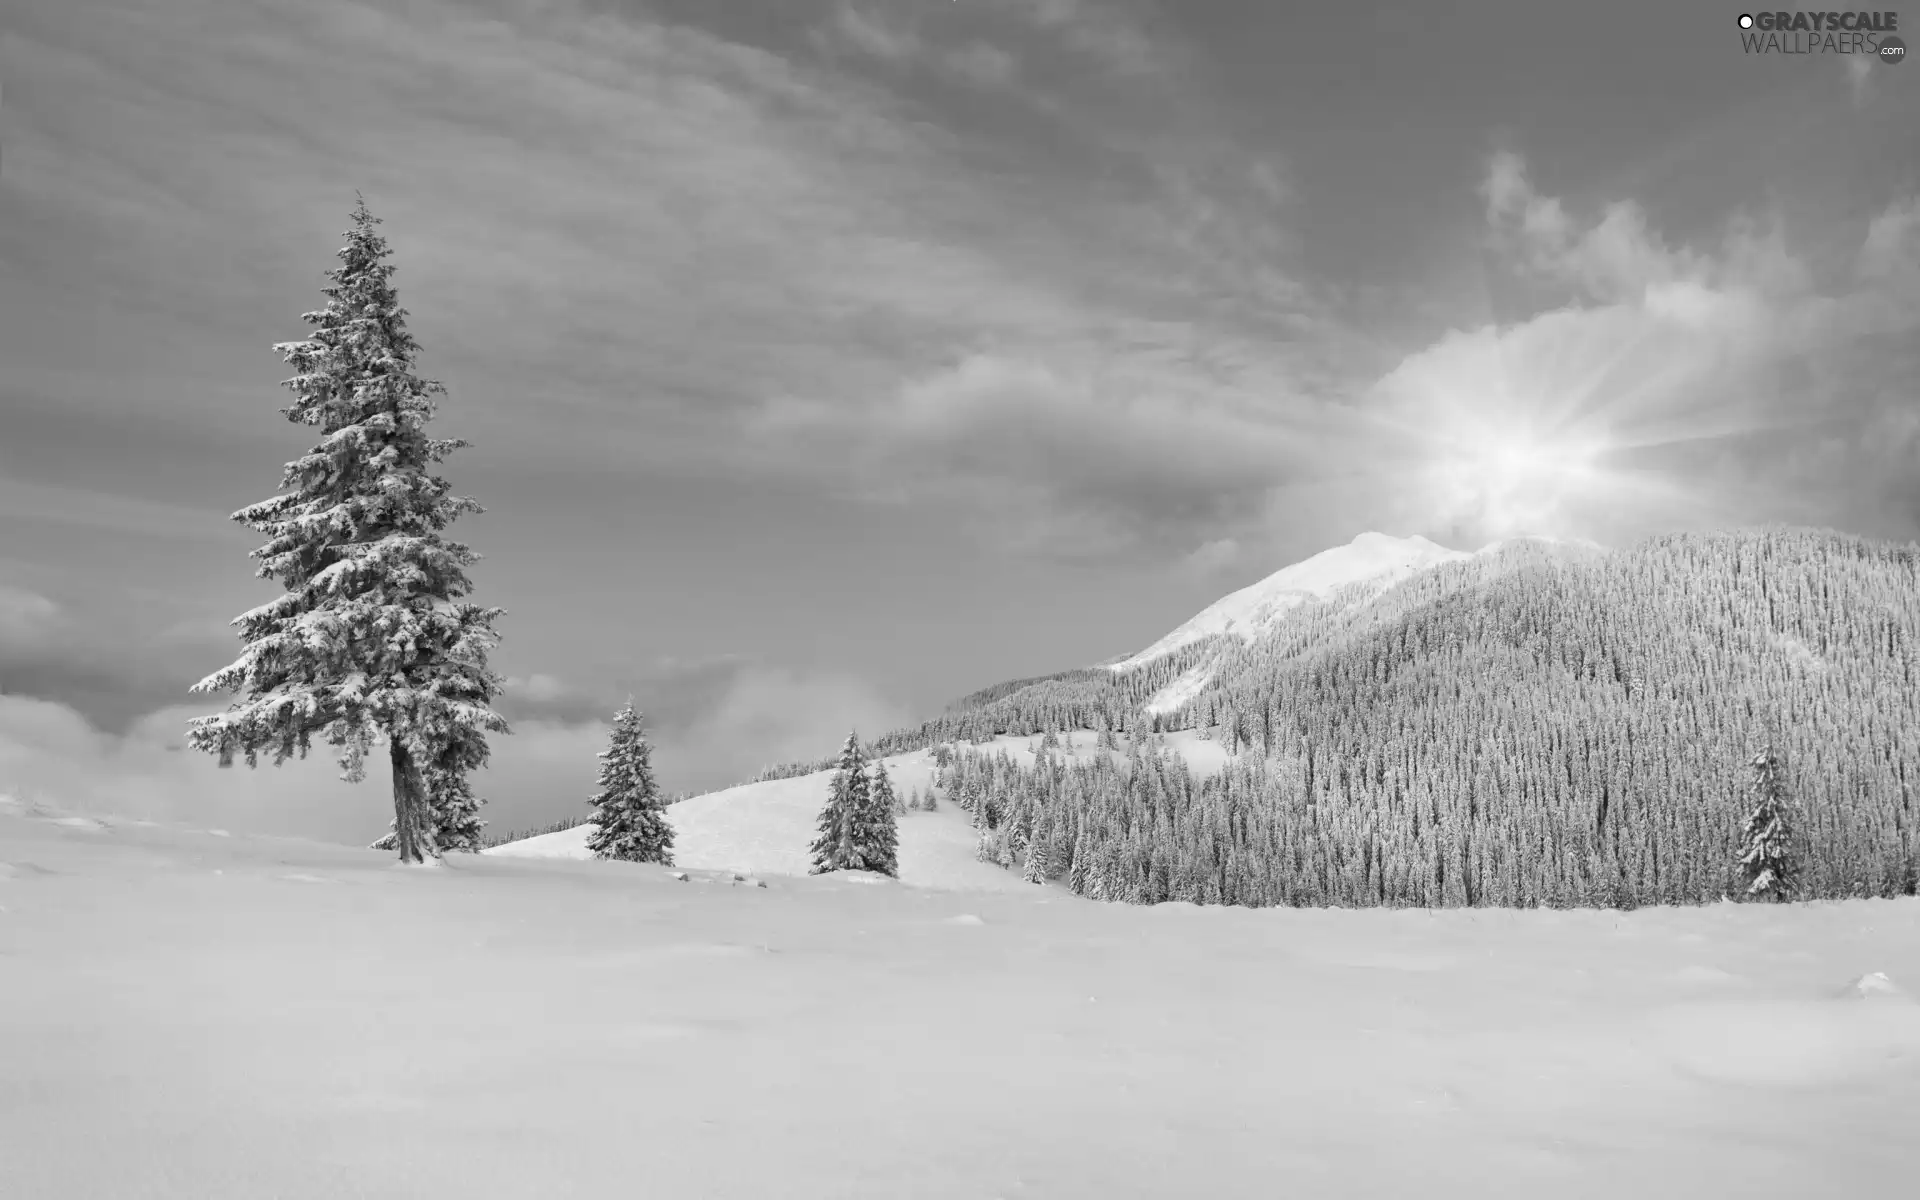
203 1017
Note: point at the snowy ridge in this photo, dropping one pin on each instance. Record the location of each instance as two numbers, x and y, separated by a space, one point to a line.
766 828
1371 558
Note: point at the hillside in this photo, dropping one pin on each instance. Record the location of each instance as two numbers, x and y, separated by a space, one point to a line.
1532 728
766 827
1322 599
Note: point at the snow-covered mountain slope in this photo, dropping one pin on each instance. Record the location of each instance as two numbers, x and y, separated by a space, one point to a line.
766 828
1371 559
259 1017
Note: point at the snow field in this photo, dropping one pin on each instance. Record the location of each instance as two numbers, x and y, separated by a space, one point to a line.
194 1017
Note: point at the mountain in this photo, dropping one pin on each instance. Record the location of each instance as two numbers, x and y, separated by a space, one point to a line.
1538 724
1363 581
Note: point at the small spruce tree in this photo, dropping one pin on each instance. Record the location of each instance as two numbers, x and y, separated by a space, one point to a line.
882 790
1038 853
1767 859
878 837
629 818
371 640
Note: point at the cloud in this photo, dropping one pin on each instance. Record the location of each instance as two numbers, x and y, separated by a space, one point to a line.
1018 261
1677 386
868 31
1106 33
1213 557
1860 72
1891 250
49 753
96 509
1619 257
95 653
25 618
972 39
1089 459
717 725
725 230
720 719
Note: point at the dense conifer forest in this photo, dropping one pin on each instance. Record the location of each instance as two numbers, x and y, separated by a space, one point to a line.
1536 727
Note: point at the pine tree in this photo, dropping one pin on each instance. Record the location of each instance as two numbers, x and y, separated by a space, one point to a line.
835 849
1768 861
858 828
1038 852
926 799
629 813
877 838
913 800
882 790
372 639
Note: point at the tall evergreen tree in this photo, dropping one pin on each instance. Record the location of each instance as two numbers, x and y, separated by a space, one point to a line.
372 639
833 849
1767 860
629 813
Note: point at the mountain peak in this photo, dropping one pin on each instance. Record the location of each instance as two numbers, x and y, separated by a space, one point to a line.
1371 557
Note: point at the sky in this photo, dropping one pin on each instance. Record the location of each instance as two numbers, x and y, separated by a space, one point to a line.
824 360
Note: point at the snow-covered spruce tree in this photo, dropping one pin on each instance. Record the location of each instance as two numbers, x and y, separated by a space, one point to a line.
372 640
881 789
878 837
855 832
629 817
1767 858
1038 863
846 796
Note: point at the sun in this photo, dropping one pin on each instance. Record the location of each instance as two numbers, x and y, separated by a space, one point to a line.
1511 481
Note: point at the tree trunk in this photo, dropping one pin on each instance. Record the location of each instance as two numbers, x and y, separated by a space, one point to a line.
412 822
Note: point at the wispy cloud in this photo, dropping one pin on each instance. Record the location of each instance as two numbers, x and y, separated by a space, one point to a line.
718 236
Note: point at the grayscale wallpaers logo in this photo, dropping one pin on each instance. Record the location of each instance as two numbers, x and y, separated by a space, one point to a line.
1870 33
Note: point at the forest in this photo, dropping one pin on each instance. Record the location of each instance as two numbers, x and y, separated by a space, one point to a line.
1539 728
